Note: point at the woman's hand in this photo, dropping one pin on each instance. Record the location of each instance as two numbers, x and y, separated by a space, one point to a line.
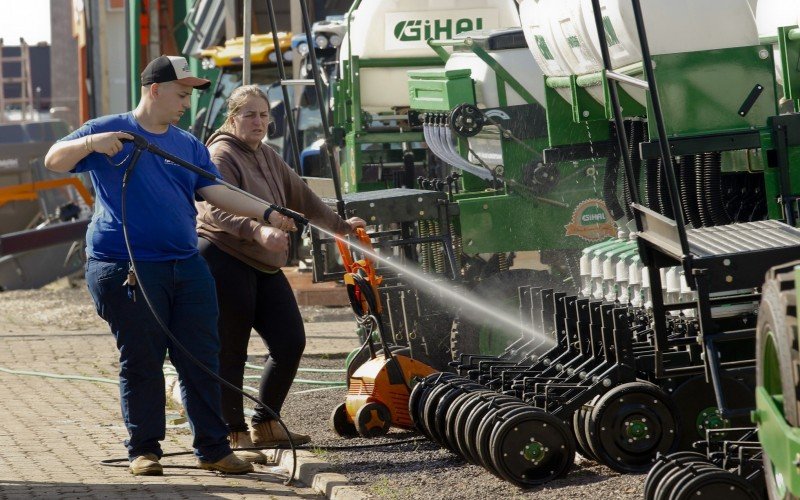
355 223
281 222
272 239
107 143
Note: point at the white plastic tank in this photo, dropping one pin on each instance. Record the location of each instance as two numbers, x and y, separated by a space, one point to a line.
771 15
535 20
680 26
400 28
520 63
572 37
623 42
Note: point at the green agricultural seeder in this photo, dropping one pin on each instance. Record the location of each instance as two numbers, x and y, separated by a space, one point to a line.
648 153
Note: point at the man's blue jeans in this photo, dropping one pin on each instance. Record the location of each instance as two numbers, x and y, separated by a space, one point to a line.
183 294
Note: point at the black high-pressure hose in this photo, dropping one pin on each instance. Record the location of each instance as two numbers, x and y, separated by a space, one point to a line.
141 145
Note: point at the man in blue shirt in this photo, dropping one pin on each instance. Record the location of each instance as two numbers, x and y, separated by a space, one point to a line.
160 218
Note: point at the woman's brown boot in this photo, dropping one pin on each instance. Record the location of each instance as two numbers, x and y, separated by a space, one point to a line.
271 433
242 440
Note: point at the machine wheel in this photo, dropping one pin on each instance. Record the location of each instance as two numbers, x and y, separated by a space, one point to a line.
476 418
776 365
631 424
531 448
678 477
447 401
494 419
340 424
373 420
420 391
460 424
579 428
450 419
710 483
471 336
664 465
697 407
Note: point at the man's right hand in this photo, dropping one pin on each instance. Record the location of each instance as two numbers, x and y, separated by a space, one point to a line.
272 239
108 143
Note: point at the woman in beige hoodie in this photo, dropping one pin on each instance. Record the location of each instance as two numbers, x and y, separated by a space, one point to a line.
245 257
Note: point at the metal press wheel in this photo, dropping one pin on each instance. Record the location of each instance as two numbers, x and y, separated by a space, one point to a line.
713 482
579 428
666 464
494 419
776 366
446 402
532 448
697 407
474 421
631 424
450 419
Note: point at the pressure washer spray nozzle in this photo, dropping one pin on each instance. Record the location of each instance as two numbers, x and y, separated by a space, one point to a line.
297 217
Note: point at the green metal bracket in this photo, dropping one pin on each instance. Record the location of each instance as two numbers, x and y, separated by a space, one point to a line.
781 442
789 44
584 106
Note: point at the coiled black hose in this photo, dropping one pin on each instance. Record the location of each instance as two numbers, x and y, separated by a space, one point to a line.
652 168
689 195
702 188
635 136
712 172
664 203
610 188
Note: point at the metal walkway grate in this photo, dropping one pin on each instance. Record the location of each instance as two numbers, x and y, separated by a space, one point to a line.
742 237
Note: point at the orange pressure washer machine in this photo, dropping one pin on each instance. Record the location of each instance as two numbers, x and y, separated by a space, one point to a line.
378 389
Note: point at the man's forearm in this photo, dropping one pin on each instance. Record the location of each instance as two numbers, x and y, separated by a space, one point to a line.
63 156
233 202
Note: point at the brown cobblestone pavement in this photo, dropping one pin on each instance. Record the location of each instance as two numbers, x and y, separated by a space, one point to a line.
54 433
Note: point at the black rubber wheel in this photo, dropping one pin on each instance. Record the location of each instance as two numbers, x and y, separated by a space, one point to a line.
474 421
445 403
432 402
340 424
671 477
373 420
416 399
532 448
631 424
579 423
776 365
481 336
460 424
495 417
664 464
715 484
697 407
687 474
450 419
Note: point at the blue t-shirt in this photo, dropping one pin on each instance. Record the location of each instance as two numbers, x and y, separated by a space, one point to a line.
160 209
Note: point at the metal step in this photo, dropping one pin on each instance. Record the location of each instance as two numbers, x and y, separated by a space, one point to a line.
741 237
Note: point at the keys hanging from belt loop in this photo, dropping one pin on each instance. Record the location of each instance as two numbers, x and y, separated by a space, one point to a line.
130 282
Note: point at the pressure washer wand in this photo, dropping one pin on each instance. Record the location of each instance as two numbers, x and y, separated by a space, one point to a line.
142 144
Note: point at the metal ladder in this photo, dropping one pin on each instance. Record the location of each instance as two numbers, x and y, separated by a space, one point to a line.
25 99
